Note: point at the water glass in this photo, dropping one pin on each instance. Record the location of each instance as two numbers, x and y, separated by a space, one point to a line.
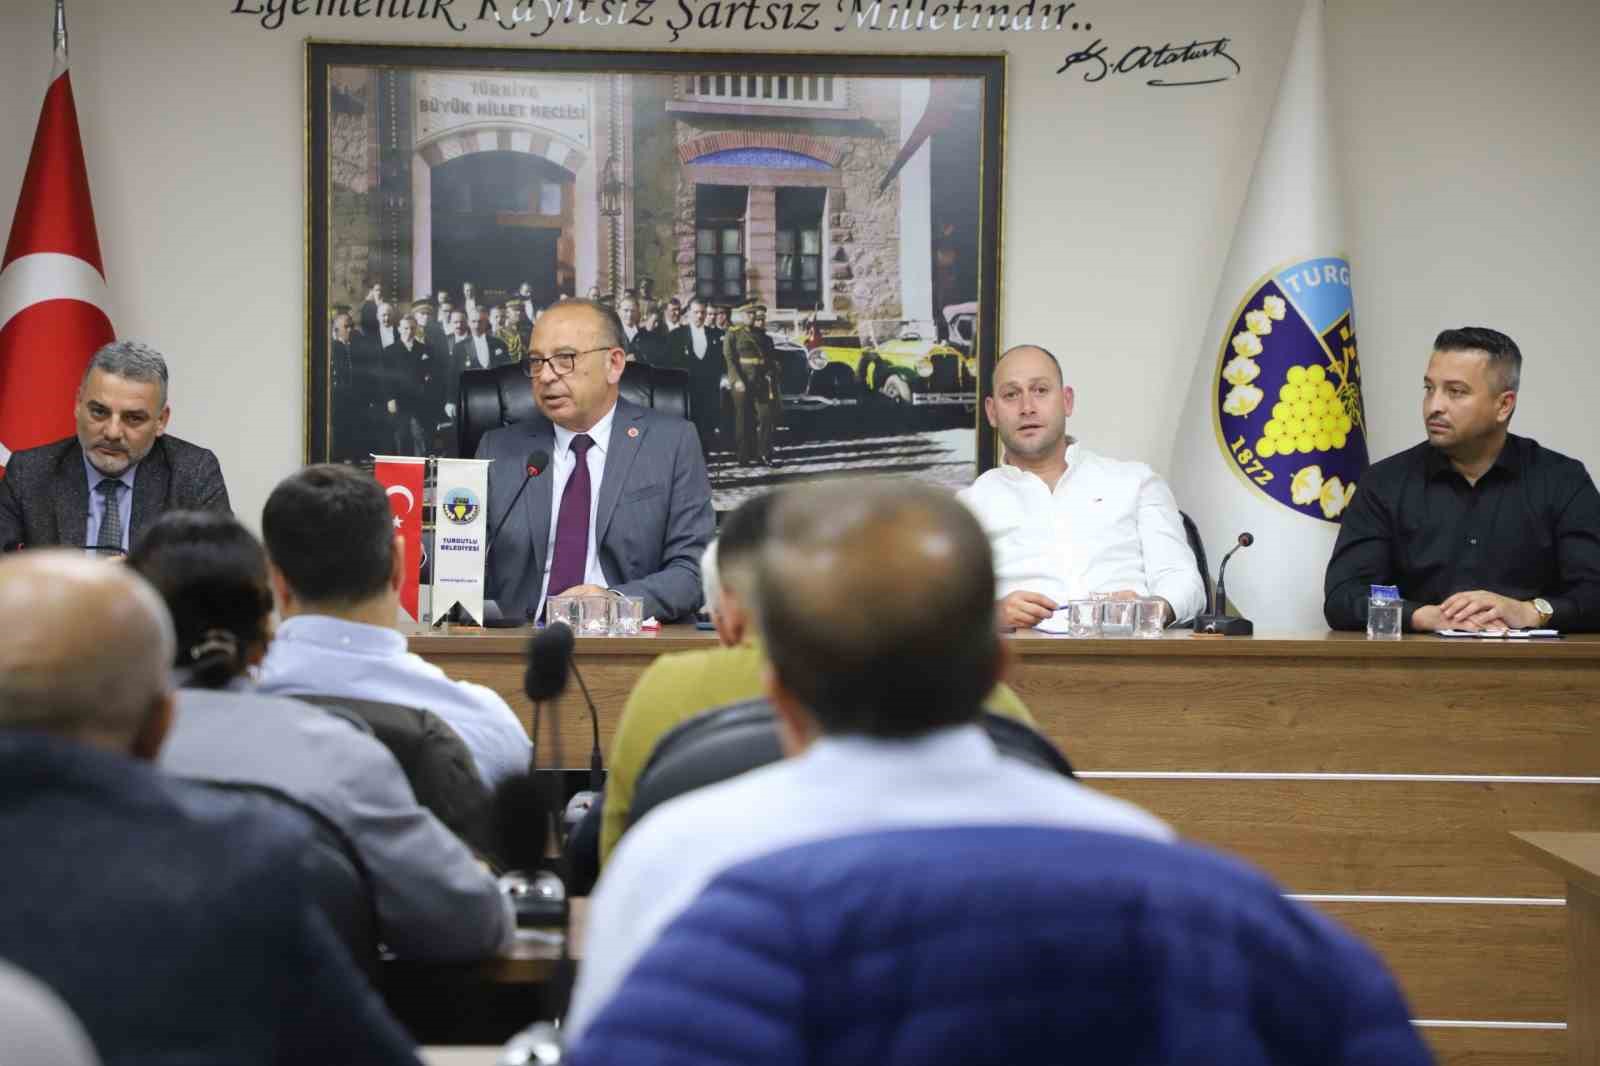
1151 618
1083 618
1117 617
1383 619
567 609
629 614
596 615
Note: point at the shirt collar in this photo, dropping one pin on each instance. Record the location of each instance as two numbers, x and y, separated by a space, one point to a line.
337 634
600 433
95 476
954 747
1509 462
1076 453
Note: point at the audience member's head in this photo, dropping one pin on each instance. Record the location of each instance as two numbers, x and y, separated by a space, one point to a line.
212 574
91 661
877 607
738 549
332 547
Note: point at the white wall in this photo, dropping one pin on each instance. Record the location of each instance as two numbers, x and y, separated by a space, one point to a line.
1470 143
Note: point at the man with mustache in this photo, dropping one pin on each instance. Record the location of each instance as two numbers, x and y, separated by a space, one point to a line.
103 487
1064 522
623 504
1478 528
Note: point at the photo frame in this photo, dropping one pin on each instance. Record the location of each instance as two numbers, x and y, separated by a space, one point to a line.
856 196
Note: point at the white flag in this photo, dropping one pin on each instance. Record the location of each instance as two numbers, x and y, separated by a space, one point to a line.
459 535
1273 433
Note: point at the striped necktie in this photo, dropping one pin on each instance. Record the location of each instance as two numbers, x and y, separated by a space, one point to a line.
110 538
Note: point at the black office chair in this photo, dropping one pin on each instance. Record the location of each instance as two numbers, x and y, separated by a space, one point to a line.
1197 546
340 882
441 771
503 396
728 741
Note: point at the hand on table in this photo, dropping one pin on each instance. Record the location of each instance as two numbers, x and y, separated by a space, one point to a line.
1024 610
583 590
1481 609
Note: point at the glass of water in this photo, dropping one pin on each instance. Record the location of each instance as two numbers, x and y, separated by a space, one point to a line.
1117 617
1151 618
565 609
1383 619
1083 618
629 613
597 614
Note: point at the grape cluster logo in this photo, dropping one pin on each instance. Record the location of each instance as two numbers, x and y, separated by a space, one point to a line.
1288 398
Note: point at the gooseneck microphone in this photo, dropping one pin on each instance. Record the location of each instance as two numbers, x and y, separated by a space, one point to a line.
550 660
1217 621
538 459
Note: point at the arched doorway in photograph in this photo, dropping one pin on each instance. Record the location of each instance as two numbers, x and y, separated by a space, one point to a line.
498 221
500 207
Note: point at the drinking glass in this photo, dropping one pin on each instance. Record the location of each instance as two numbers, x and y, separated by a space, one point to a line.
1383 619
567 609
1117 617
596 615
1151 618
1083 618
629 613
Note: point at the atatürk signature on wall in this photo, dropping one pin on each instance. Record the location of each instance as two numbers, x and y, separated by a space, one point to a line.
1097 65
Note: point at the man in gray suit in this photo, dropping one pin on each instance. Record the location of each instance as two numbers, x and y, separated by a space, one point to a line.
105 486
622 504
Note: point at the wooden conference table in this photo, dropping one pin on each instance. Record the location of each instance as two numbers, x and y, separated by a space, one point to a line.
1379 781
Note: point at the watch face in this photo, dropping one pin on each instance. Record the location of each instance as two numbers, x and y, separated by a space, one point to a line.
1542 605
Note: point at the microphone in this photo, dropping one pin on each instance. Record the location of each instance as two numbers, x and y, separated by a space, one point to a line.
537 460
1217 620
549 662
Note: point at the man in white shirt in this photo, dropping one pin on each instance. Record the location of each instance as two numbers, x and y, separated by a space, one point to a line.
386 327
1064 522
696 346
336 568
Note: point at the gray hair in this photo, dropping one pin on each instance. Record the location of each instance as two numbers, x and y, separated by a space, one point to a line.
131 360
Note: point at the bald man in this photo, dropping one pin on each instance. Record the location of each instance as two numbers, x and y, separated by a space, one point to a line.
1066 523
939 894
143 902
624 502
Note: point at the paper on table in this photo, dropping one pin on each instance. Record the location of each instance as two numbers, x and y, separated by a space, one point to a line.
1498 634
1055 625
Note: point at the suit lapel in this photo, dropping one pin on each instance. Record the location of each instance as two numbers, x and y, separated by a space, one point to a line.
150 486
72 497
536 501
627 434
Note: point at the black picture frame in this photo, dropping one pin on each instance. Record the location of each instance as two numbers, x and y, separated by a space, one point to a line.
383 119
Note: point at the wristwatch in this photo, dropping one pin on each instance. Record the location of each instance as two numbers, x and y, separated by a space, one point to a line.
1546 612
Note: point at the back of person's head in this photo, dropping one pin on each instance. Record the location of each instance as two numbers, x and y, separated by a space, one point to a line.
212 574
877 606
737 550
330 535
86 653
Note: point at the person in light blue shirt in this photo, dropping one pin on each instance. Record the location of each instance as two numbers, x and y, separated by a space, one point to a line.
336 567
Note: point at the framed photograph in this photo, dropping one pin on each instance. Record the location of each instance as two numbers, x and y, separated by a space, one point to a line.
844 208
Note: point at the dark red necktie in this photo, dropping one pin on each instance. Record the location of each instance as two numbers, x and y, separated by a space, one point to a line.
567 562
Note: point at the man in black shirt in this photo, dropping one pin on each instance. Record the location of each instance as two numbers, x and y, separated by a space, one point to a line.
1479 528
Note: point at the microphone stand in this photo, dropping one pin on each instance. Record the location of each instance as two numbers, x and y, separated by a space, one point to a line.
1217 622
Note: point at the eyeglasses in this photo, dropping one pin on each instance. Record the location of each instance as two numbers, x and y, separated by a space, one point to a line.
561 362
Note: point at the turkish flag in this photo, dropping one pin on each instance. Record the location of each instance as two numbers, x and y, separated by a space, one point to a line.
53 293
401 478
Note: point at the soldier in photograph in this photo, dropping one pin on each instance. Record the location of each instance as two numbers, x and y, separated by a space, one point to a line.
754 375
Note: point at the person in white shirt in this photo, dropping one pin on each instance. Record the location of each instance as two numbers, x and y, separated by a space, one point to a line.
336 564
1064 522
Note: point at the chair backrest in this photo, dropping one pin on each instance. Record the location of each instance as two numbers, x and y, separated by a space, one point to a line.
440 769
728 741
1198 546
340 882
502 396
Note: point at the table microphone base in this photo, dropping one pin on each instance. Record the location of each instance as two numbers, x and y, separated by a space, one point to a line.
1223 625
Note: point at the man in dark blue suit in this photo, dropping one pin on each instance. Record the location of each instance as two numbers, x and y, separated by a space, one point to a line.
633 515
173 919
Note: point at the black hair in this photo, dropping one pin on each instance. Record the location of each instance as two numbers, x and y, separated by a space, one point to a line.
740 538
1505 358
330 532
212 574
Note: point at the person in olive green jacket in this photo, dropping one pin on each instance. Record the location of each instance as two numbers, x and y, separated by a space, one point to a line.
680 685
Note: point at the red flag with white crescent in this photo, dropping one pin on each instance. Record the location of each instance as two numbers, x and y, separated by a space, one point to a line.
53 296
401 478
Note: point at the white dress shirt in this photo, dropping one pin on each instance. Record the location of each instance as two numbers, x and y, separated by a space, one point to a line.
840 786
1107 525
698 335
480 348
561 466
387 335
315 654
